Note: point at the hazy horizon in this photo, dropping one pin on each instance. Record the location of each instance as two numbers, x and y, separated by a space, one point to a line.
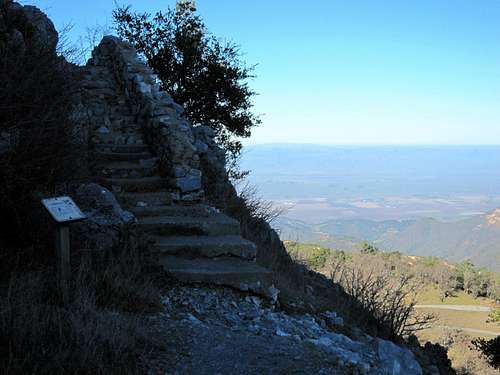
379 182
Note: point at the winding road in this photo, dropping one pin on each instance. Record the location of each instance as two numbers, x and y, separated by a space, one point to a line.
471 308
468 308
471 330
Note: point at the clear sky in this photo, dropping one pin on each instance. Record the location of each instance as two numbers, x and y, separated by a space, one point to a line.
353 71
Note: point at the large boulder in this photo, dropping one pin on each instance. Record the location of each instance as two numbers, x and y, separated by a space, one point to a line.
396 360
28 23
44 32
106 220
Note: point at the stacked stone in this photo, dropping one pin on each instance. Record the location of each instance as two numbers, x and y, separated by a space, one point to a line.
158 117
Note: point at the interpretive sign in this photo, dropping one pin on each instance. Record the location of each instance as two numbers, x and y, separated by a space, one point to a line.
63 210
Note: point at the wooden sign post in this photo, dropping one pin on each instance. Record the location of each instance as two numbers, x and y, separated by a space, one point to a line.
64 212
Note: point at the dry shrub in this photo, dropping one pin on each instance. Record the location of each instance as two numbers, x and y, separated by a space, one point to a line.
259 208
96 333
388 296
490 350
465 358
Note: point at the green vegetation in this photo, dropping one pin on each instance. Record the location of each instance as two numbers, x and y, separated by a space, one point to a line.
370 278
432 294
375 277
430 261
314 256
462 283
494 316
368 248
203 74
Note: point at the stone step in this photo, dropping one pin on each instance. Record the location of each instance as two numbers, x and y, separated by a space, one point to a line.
122 156
116 137
121 148
213 225
137 200
205 246
232 272
143 184
197 210
128 169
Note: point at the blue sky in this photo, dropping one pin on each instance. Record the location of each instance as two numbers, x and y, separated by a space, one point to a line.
353 71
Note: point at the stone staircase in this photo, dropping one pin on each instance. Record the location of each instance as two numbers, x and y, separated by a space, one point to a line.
195 242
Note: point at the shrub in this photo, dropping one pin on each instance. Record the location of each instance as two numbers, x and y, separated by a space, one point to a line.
430 261
368 248
201 73
494 316
490 349
389 297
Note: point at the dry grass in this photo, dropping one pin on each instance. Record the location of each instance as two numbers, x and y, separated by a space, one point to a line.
101 331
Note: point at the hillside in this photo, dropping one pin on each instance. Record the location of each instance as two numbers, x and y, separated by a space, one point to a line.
169 270
451 294
476 238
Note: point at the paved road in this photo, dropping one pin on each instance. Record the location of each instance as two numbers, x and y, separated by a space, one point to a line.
471 330
472 308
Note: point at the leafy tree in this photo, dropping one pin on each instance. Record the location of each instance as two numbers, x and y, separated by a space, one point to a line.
318 257
368 248
201 72
490 349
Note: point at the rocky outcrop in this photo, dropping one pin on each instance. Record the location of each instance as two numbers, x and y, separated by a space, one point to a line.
146 152
160 119
106 220
27 26
227 333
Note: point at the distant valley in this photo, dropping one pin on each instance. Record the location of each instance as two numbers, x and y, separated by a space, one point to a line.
476 238
422 200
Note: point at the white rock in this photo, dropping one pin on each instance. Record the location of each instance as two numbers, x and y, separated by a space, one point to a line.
281 333
103 130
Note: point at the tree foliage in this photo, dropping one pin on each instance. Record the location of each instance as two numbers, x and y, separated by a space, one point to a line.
202 73
368 248
490 349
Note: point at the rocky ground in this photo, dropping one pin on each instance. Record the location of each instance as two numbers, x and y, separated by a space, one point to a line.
220 331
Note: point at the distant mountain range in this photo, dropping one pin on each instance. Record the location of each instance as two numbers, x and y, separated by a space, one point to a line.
476 238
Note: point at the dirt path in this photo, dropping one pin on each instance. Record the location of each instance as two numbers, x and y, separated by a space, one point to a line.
469 308
217 331
471 330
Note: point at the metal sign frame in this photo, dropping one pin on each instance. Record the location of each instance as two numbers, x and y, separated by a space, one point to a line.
64 212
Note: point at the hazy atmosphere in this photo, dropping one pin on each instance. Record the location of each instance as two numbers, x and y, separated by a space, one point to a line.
221 187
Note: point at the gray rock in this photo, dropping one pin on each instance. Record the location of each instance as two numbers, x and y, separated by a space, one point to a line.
105 218
44 30
201 147
396 360
187 184
103 130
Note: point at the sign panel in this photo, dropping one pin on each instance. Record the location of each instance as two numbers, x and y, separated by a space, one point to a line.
63 209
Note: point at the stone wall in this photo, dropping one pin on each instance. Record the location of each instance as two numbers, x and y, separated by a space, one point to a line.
165 129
